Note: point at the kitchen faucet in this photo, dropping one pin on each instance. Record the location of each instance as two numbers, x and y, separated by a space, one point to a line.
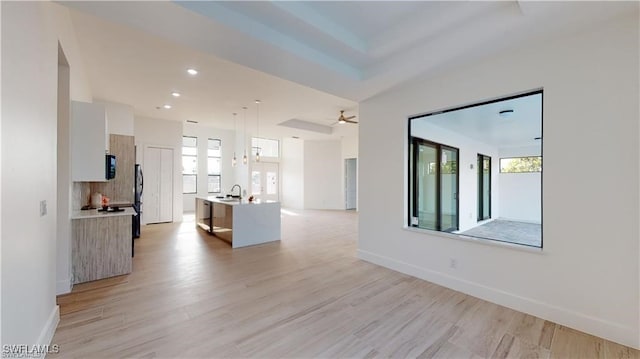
239 190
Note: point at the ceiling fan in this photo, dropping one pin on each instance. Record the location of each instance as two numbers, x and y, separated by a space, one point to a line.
342 119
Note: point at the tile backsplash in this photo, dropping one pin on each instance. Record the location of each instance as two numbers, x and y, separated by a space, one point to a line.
81 195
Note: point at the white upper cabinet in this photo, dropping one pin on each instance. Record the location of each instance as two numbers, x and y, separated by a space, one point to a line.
88 136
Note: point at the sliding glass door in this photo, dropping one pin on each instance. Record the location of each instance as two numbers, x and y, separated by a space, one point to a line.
427 184
448 189
484 187
435 186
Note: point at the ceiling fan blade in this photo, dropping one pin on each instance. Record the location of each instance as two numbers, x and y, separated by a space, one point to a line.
349 121
350 117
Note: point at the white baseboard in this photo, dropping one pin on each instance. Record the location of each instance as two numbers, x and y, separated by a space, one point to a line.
50 327
63 286
586 323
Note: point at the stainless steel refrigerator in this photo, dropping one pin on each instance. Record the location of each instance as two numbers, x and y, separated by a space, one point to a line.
137 200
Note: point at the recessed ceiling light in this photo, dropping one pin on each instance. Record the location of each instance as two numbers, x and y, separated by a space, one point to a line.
505 113
175 94
192 71
167 106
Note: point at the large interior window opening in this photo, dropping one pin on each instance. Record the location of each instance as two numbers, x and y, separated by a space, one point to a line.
476 170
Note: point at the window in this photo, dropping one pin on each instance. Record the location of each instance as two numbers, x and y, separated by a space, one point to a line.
189 164
214 153
521 164
267 147
457 187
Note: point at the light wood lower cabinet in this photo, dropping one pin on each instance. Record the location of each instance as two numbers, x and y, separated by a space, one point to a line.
101 248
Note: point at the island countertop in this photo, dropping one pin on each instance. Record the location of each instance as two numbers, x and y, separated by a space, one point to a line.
234 201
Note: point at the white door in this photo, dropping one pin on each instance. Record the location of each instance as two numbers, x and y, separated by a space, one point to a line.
265 181
157 201
351 183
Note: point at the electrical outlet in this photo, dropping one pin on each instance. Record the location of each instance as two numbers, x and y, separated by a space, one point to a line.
43 208
453 263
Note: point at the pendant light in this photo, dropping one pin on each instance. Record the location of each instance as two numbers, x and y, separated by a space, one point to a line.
244 137
258 130
234 160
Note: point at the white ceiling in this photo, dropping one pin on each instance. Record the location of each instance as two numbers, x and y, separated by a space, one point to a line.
484 124
129 66
353 50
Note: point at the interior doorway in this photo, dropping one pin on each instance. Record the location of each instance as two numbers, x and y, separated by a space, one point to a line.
157 199
265 181
351 183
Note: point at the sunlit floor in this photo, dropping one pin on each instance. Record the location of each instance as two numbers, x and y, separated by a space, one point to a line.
528 234
191 295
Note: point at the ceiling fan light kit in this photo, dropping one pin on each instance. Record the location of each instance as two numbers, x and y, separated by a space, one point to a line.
343 120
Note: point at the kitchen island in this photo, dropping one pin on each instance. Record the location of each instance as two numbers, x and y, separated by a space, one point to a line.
239 222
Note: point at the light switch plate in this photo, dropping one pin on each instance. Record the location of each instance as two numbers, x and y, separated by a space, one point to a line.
43 208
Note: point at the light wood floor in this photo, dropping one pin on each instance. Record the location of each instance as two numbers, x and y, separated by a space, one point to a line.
190 295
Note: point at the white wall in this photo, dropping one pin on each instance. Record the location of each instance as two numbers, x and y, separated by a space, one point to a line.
349 147
30 35
164 133
520 198
203 133
79 90
468 178
119 118
292 194
587 275
520 193
64 184
323 175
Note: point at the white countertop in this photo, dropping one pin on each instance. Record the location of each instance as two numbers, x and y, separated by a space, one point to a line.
93 213
235 202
